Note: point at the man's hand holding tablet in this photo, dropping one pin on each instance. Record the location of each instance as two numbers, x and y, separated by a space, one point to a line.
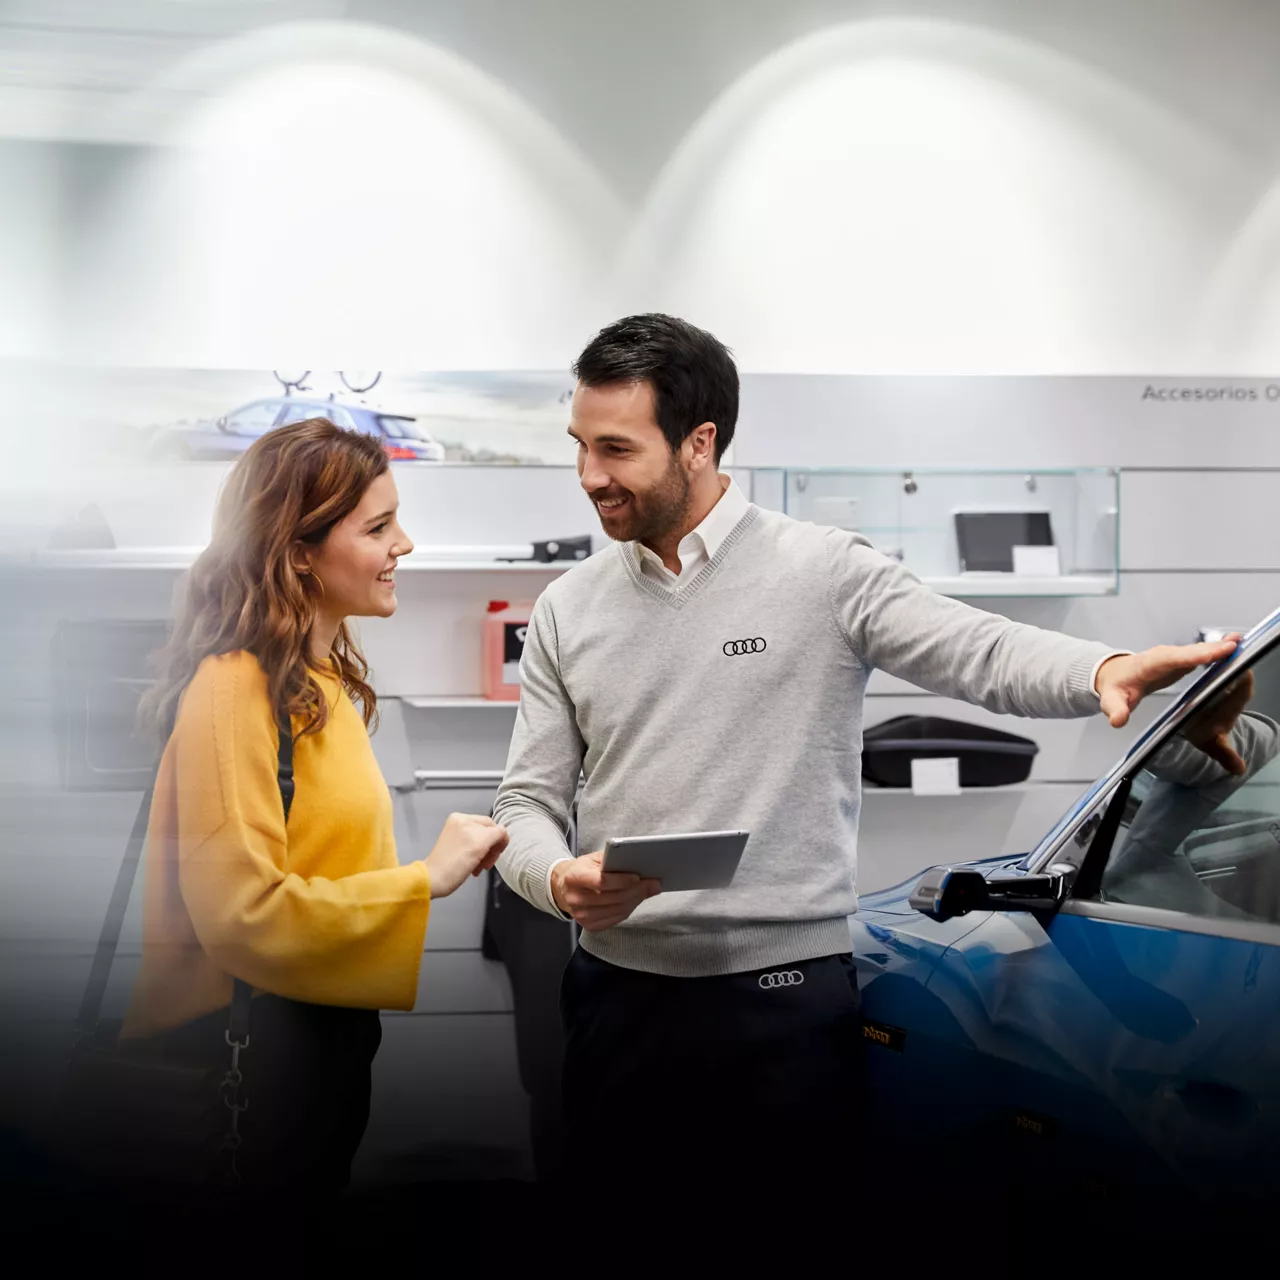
595 898
602 889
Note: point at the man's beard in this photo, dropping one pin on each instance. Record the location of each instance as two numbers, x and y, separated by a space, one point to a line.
655 513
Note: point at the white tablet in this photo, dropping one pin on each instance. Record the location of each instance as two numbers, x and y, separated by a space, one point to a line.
693 860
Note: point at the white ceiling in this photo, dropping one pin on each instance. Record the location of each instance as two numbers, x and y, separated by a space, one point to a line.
622 80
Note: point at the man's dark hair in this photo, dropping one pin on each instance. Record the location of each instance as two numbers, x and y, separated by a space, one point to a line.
693 376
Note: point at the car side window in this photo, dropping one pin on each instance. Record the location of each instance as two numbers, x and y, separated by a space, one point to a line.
1197 829
254 419
300 413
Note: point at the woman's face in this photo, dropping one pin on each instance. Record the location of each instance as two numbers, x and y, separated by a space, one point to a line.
356 562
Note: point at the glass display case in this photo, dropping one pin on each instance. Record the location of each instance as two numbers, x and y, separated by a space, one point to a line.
972 533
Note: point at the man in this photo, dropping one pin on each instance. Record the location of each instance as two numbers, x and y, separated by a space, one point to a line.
684 1061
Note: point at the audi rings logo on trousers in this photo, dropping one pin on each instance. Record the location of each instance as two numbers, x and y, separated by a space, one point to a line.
783 978
735 647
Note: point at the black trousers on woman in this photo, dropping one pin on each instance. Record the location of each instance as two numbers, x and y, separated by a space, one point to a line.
307 1082
307 1075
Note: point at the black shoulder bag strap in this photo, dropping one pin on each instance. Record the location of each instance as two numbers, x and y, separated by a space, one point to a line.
109 939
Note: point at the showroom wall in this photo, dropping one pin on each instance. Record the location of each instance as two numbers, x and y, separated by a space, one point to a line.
839 187
977 233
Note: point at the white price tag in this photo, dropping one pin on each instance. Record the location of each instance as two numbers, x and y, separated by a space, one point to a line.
1036 562
936 777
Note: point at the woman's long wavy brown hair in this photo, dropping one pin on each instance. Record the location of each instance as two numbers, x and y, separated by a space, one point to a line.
290 486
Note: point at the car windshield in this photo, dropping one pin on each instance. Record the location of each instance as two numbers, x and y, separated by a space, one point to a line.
300 412
1196 836
401 428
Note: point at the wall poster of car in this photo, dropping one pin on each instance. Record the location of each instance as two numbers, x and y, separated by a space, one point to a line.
208 415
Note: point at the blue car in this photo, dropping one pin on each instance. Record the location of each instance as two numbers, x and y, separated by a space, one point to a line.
1098 1021
230 435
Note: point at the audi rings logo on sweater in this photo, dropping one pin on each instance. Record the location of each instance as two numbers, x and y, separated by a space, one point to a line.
783 978
735 647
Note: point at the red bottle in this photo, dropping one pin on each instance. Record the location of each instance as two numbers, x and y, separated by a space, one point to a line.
505 626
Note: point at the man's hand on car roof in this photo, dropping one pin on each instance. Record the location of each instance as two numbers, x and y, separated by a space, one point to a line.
1123 681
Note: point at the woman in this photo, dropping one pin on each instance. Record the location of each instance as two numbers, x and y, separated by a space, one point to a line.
314 912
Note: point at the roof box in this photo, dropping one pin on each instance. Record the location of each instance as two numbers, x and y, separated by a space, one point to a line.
988 757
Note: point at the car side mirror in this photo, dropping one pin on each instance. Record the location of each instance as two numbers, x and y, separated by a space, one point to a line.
222 423
944 892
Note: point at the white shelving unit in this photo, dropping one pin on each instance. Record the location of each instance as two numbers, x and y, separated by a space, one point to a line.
963 586
978 586
184 557
457 779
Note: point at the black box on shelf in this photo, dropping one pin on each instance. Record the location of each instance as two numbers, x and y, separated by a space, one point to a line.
988 757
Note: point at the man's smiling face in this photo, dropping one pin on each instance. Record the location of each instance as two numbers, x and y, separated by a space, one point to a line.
640 488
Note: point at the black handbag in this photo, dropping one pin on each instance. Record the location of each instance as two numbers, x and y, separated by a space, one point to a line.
136 1111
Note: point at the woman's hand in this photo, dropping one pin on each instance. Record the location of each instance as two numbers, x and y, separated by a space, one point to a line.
468 845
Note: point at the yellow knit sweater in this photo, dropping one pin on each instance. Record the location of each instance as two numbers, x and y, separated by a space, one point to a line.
321 912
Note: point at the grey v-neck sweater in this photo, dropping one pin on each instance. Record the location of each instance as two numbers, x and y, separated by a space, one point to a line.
676 724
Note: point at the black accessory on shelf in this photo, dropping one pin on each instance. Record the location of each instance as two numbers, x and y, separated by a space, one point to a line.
555 549
986 539
988 757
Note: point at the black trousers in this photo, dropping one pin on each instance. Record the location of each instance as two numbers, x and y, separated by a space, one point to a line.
307 1072
713 1086
534 947
307 1077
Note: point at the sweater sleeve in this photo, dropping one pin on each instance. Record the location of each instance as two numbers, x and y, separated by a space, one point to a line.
543 767
354 941
892 621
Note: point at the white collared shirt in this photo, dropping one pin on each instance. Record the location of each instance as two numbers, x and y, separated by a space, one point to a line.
700 545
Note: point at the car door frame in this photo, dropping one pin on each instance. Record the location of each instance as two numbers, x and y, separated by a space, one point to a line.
1099 800
1169 932
1104 804
1106 800
1082 900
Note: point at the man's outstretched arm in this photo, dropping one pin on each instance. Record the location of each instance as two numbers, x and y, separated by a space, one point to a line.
892 621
